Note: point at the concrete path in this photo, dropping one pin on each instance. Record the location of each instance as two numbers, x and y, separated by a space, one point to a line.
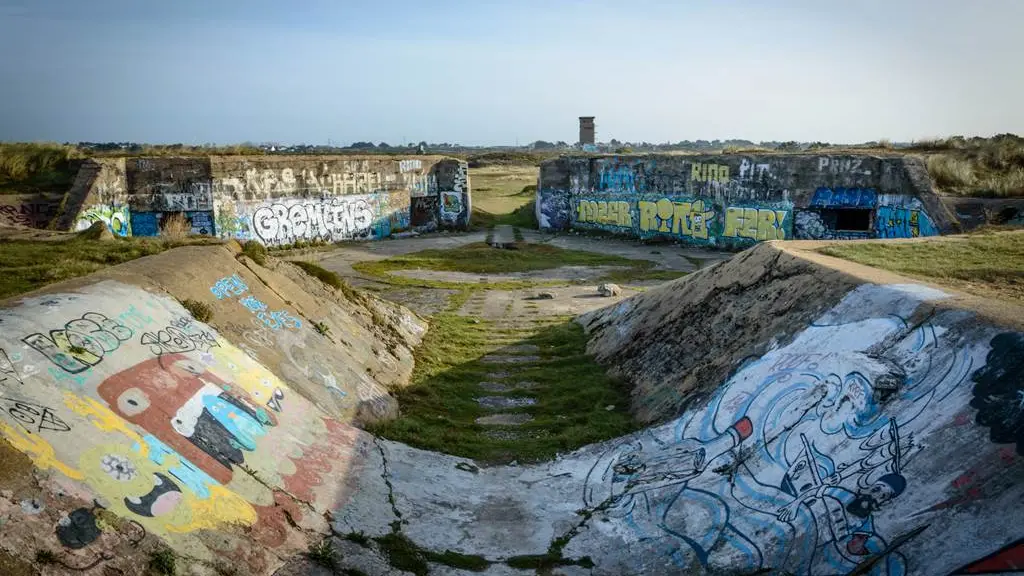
503 236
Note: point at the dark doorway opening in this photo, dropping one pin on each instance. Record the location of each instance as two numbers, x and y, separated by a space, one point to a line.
850 219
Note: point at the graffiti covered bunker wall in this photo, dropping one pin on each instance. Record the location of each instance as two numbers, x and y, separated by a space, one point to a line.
737 200
274 200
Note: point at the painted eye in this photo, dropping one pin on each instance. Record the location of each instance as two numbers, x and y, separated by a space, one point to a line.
132 402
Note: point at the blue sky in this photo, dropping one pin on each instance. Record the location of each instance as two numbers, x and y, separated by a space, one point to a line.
485 72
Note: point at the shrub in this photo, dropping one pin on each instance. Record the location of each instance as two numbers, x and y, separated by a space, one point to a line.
320 273
256 251
175 227
199 310
162 562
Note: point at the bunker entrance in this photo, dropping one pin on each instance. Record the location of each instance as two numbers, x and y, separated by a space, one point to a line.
848 219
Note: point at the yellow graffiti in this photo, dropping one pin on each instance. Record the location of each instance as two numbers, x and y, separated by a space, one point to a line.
680 218
233 365
700 172
39 450
222 507
610 213
158 500
103 418
754 223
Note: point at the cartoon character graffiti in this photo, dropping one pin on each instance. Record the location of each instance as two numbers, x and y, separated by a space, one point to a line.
847 513
209 421
789 464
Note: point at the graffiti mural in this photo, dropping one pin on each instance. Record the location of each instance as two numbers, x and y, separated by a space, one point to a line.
685 219
329 220
793 461
424 211
82 343
614 214
553 209
33 210
451 206
151 223
166 425
734 201
756 223
843 198
896 222
234 286
117 219
999 391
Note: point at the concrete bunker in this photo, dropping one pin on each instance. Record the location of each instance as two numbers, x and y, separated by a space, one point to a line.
734 201
273 200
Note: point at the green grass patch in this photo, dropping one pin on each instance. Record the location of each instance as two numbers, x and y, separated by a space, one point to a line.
404 554
320 273
29 264
479 258
572 392
988 262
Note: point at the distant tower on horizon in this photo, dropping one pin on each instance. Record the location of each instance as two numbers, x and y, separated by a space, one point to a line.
586 130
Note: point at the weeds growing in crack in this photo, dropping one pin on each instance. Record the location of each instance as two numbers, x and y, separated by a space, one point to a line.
359 538
323 554
163 562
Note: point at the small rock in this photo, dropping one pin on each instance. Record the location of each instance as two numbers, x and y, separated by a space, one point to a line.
467 467
610 407
609 290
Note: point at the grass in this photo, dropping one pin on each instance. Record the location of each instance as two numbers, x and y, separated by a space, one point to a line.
480 258
34 168
988 263
28 264
403 554
983 167
321 273
572 392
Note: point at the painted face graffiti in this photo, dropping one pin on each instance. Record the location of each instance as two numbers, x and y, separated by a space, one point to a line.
209 421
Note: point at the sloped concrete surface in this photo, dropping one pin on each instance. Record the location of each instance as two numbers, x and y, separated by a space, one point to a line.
877 430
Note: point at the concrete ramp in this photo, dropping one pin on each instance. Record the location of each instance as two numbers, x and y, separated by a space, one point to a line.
853 428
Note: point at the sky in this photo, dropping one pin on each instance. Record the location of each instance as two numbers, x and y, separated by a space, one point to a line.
482 72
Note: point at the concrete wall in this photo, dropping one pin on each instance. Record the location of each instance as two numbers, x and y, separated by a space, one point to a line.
32 210
737 200
277 199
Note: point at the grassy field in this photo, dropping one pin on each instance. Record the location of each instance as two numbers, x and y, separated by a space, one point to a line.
503 194
572 391
989 263
27 264
480 258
